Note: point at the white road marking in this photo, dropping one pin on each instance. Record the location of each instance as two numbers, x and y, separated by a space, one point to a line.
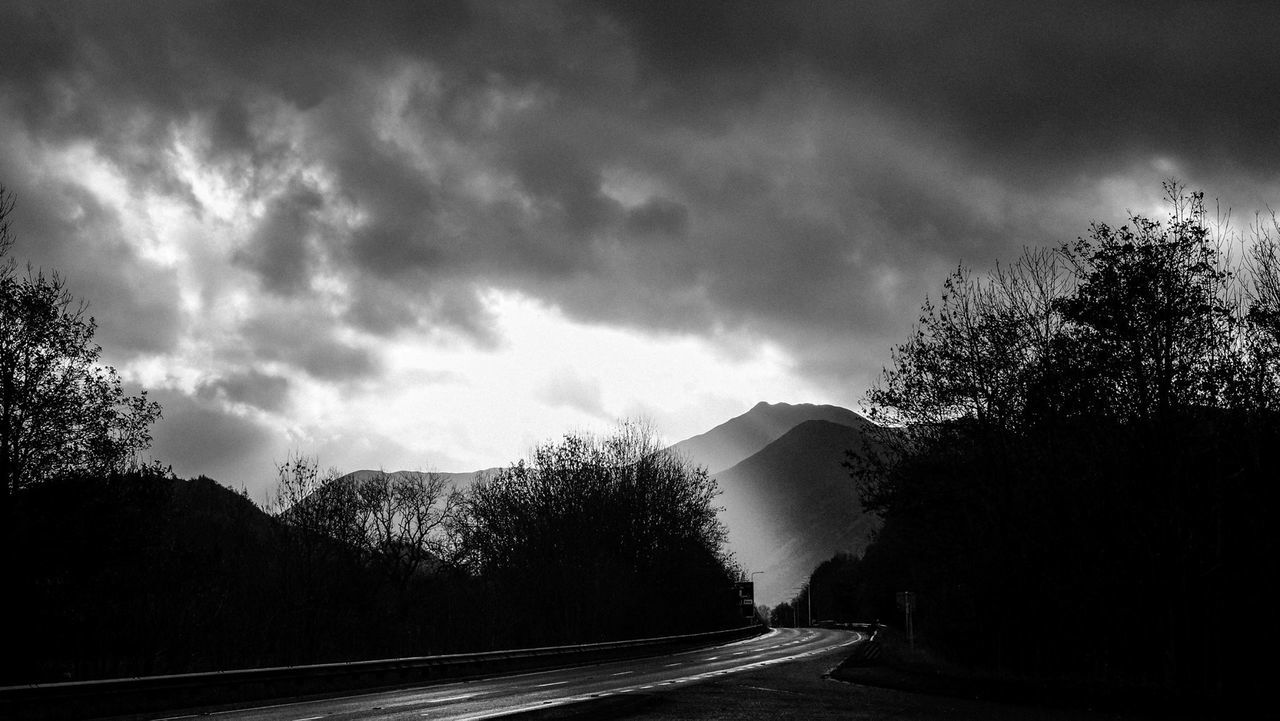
741 664
452 698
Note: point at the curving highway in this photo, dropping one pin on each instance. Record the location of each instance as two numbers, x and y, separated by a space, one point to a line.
497 697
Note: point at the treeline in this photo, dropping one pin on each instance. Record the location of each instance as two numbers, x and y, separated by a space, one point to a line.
141 573
1079 460
590 539
113 567
840 590
62 412
595 538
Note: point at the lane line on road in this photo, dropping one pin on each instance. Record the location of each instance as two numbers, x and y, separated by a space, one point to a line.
547 703
552 703
452 698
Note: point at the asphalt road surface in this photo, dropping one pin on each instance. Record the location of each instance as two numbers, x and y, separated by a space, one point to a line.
597 688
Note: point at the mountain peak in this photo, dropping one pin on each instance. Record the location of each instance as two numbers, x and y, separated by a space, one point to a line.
792 505
739 437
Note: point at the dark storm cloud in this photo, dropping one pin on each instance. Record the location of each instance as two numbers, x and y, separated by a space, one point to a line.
658 217
425 304
281 248
255 388
307 342
61 229
800 170
1056 81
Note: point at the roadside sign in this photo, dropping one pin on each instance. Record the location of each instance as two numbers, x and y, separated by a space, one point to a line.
747 598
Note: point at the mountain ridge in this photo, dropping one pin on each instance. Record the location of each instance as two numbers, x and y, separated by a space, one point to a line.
786 499
741 436
792 505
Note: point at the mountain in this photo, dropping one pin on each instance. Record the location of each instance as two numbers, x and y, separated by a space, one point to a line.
140 575
792 505
738 438
788 502
452 480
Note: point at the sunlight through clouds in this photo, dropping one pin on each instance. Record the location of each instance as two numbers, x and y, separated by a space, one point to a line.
500 390
439 234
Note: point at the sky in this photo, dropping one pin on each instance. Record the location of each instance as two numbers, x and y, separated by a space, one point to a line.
430 235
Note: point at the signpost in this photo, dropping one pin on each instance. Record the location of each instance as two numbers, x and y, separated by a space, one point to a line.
747 599
907 602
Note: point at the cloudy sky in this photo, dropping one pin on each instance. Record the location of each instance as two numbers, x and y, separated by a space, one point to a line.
428 235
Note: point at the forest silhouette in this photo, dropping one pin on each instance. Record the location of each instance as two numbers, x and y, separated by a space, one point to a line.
117 568
1074 464
1076 460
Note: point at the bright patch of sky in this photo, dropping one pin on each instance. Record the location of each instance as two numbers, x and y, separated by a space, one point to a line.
434 234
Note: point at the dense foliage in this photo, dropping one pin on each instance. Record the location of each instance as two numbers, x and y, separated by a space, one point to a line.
596 538
399 523
141 573
1081 457
114 568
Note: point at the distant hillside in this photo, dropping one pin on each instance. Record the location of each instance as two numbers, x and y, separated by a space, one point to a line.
454 480
138 575
131 575
792 505
738 438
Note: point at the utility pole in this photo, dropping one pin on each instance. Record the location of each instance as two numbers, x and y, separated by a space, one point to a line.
809 594
808 599
907 602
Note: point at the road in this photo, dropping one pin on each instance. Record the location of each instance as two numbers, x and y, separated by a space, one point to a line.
607 683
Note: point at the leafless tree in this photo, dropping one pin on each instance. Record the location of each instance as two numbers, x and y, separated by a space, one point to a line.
405 519
401 522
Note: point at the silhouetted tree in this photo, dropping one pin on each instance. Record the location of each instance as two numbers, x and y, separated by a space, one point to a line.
783 616
1260 389
407 521
1151 320
589 534
1079 445
400 522
315 502
61 410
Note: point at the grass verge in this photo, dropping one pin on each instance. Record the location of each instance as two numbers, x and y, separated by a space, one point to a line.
891 662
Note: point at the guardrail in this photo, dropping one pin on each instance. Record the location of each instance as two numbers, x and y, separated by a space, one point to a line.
140 695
